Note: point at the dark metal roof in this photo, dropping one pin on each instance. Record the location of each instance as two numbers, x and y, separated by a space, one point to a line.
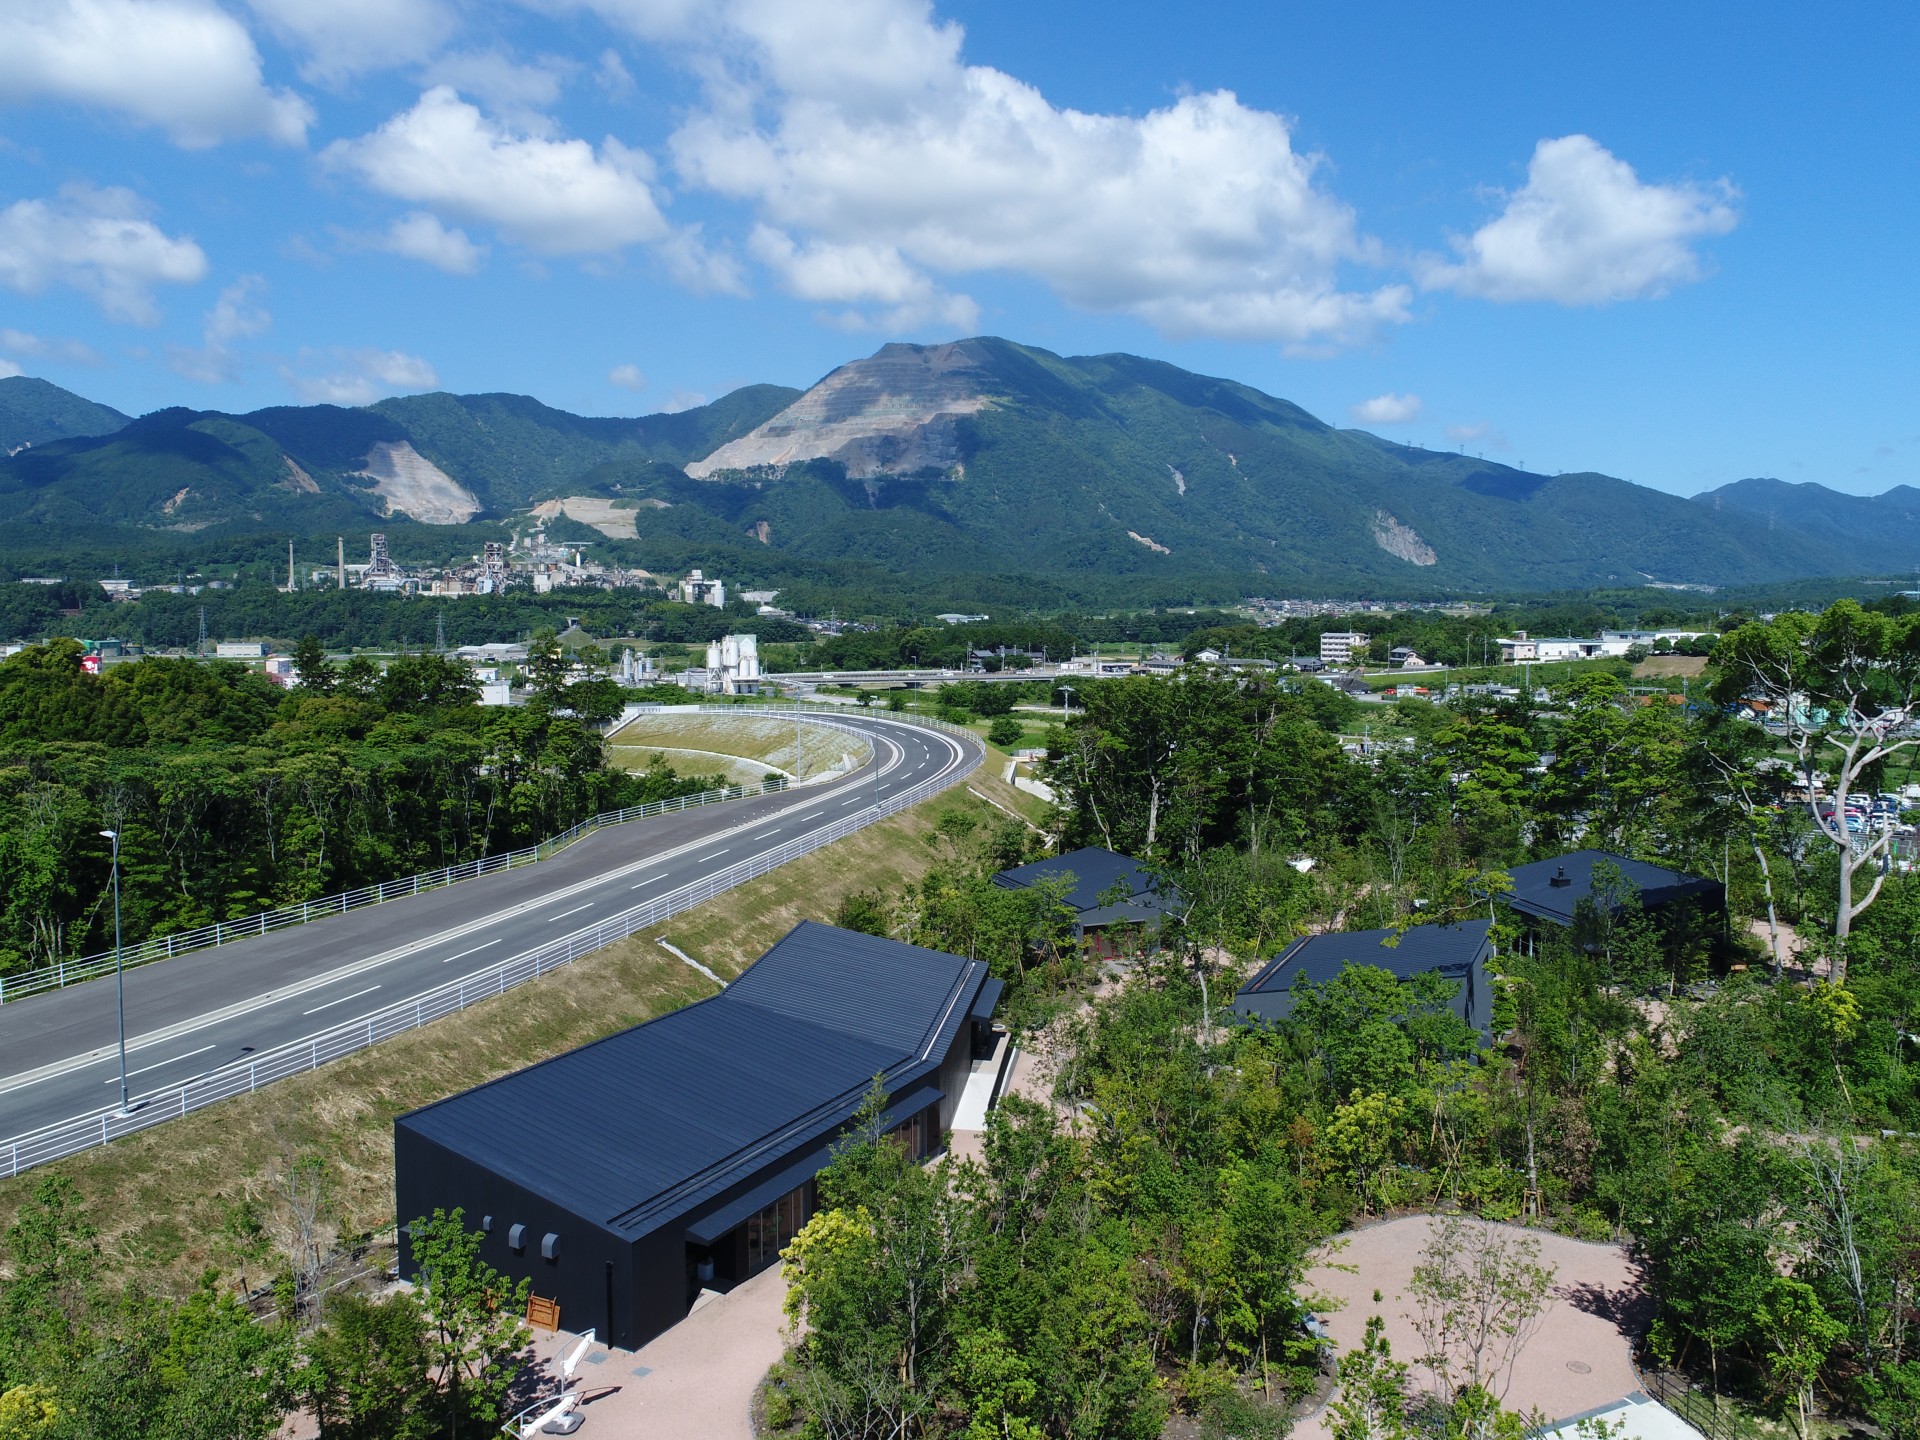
1535 893
1095 872
1453 951
651 1122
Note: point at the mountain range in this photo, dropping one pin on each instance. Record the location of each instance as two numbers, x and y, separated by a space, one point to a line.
979 456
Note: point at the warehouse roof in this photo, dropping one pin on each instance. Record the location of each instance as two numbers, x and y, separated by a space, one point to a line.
1550 889
1095 872
650 1122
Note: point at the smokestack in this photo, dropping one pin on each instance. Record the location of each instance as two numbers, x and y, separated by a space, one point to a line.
289 567
341 562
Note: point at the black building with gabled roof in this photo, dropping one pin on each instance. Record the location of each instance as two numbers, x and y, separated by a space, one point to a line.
1551 890
1454 952
623 1176
1108 888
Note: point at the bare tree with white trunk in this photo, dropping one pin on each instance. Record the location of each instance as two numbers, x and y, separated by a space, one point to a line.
1843 690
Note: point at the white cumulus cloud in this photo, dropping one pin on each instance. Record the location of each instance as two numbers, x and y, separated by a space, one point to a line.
359 377
1388 409
861 274
1585 230
8 369
99 242
885 168
558 197
343 38
510 88
186 66
419 236
627 377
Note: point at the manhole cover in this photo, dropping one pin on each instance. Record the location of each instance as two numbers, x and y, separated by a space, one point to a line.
1579 1367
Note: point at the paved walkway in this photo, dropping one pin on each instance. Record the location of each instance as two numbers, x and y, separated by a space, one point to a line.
695 1382
1579 1361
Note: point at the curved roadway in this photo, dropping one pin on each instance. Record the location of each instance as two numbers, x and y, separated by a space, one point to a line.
198 1012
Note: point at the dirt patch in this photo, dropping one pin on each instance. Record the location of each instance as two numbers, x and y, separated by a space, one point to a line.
1660 667
610 517
413 485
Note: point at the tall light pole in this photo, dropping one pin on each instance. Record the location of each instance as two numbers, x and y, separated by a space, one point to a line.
1066 702
119 967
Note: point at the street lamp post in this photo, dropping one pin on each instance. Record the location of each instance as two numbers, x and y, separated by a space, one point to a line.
1066 702
119 967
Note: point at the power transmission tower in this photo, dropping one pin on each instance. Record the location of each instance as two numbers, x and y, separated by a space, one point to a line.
202 648
440 633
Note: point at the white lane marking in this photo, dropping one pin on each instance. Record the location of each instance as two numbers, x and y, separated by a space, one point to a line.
575 911
159 1064
475 951
711 853
648 881
341 1001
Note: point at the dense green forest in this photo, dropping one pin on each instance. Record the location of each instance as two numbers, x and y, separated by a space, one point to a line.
232 795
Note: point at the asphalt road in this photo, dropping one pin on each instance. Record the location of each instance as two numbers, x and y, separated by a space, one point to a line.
59 1058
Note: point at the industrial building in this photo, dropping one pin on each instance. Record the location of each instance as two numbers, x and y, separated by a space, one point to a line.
1458 953
626 1176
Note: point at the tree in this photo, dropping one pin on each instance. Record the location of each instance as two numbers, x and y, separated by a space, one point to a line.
310 664
1845 689
1372 1403
1481 1295
547 666
473 1318
367 1374
1005 731
1798 1334
595 702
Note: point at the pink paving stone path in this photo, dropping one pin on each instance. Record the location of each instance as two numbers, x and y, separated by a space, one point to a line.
702 1372
1579 1360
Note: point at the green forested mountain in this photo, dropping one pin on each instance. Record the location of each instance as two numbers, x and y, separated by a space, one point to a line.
1883 529
33 412
977 458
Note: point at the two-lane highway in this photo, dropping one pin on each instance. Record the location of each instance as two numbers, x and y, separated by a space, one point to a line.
198 1012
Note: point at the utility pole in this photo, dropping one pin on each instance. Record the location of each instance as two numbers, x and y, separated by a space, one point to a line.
119 968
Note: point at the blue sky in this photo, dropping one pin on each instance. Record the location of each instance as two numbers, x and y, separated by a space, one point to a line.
1671 243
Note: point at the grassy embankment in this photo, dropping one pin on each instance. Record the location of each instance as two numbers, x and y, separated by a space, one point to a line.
169 1202
743 746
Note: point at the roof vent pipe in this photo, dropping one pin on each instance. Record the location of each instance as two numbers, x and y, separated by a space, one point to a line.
1560 878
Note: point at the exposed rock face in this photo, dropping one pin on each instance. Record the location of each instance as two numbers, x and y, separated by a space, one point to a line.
609 517
1149 542
890 414
413 485
1401 540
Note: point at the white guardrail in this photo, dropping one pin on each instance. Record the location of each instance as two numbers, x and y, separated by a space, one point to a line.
69 1137
225 932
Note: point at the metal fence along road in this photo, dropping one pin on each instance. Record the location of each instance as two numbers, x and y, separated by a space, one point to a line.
70 1137
226 932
